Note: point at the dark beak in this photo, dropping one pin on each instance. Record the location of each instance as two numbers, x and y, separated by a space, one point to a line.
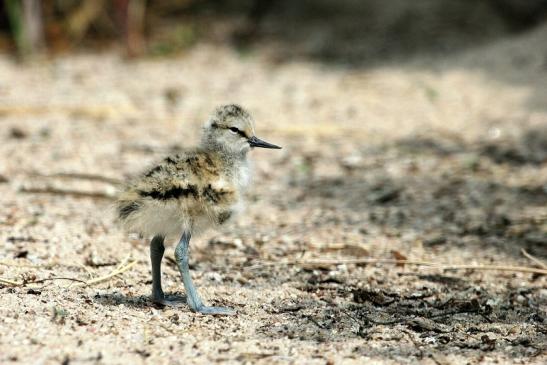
256 142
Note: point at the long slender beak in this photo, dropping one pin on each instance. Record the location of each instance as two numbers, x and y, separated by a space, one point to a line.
256 142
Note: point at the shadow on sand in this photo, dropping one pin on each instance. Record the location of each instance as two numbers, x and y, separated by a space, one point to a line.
432 314
463 200
140 301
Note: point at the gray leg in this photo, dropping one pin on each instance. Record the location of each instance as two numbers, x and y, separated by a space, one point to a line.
192 296
156 254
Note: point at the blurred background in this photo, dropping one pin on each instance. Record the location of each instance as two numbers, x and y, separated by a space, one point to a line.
458 84
411 129
348 31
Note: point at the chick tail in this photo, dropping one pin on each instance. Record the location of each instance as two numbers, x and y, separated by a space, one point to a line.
126 208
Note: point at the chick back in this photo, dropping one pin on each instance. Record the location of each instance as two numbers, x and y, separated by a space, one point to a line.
189 191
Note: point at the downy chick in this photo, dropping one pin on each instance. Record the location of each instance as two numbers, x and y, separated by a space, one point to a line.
189 192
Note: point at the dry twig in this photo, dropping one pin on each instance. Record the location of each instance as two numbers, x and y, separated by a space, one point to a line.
121 268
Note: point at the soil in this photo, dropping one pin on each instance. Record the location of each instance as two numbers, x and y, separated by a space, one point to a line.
439 159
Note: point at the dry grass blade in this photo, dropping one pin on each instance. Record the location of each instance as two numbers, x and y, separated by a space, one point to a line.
79 176
39 281
11 264
119 270
432 265
9 282
523 269
534 259
122 263
77 193
86 269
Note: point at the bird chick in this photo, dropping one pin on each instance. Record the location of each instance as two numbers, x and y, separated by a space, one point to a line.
189 192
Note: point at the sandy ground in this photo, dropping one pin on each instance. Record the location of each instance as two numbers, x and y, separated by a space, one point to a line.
434 159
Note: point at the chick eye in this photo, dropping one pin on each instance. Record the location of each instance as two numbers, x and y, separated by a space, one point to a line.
234 130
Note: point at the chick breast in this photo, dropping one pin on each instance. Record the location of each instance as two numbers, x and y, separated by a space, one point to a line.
187 192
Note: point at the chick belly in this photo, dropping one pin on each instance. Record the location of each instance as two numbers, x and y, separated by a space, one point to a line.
171 218
166 219
211 216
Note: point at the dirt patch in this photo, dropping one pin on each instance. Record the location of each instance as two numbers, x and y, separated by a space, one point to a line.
445 166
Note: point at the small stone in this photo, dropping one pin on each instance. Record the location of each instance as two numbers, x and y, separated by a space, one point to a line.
17 133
